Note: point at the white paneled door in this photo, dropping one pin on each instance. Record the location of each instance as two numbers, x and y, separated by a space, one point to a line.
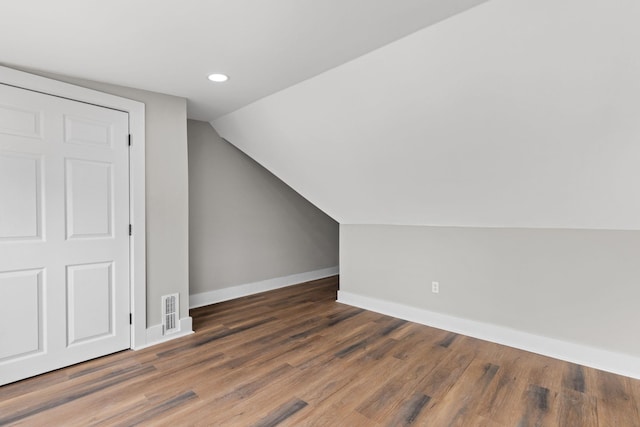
64 232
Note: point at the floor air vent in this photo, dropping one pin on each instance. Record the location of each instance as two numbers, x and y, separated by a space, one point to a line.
170 304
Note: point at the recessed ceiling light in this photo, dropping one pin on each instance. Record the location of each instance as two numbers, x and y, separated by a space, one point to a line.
218 78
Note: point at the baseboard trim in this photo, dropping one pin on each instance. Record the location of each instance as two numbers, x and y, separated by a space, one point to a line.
154 333
604 360
233 292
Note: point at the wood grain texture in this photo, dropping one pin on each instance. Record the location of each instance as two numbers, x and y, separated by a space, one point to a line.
296 357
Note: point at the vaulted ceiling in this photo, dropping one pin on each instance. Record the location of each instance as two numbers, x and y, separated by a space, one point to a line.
516 113
171 46
512 113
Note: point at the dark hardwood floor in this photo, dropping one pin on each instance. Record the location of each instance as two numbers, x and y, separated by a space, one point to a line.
295 357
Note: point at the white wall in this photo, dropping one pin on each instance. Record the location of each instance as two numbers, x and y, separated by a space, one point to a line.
579 286
246 225
167 190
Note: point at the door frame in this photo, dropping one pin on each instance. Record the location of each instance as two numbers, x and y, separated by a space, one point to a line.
137 243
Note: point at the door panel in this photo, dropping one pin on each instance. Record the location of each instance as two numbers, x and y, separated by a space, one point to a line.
90 301
16 121
64 232
24 290
20 192
88 190
82 130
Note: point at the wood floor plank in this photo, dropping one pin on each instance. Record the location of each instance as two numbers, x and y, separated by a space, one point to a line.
445 374
616 406
634 391
577 409
498 403
574 378
403 383
409 410
296 357
458 406
537 406
280 414
337 395
545 372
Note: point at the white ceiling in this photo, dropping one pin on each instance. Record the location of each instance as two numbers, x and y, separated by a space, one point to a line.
171 46
516 113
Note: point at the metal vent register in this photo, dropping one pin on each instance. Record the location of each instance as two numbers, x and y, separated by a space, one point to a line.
170 308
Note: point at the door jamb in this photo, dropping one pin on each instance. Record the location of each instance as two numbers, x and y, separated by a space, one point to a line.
136 110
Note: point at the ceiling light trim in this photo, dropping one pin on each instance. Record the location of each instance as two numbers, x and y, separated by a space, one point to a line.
218 77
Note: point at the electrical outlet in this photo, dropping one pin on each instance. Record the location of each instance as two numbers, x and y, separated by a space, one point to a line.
435 287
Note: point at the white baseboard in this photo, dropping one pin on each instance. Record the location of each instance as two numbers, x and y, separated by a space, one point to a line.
154 333
604 360
233 292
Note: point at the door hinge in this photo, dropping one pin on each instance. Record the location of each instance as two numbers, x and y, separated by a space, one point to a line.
130 230
131 318
129 140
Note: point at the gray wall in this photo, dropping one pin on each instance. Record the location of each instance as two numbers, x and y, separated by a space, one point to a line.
579 286
167 188
245 224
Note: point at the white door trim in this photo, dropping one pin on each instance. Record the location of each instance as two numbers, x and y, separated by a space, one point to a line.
136 178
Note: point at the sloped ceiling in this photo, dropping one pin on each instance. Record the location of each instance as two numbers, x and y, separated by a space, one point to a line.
516 113
171 46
